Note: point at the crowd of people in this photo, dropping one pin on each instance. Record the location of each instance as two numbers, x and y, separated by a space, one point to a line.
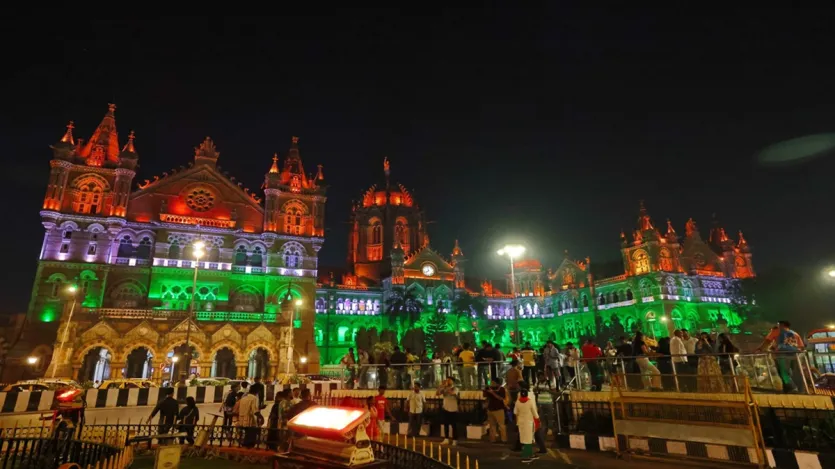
703 362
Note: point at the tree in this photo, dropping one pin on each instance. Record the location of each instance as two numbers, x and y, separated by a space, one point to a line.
404 305
434 326
467 306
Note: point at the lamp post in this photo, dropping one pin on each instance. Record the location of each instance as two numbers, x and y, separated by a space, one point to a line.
290 344
72 289
197 252
513 251
31 361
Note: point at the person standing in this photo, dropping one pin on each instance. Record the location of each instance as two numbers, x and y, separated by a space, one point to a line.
189 416
247 407
373 429
496 407
527 420
349 363
363 358
449 411
679 354
383 409
528 355
513 380
227 408
168 410
467 358
257 388
649 373
415 401
398 362
592 357
552 361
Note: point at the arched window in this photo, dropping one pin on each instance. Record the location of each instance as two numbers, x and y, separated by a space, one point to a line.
585 301
125 247
601 300
376 232
174 250
240 255
293 213
127 295
89 195
640 261
256 259
670 285
646 288
686 287
629 296
245 300
292 256
665 261
143 251
401 232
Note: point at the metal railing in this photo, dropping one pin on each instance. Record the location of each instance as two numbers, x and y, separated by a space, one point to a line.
51 451
767 372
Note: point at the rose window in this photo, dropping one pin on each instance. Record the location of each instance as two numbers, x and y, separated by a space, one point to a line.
200 200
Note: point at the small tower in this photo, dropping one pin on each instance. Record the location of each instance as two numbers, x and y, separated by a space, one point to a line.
124 178
458 261
103 147
398 257
63 153
643 254
206 153
742 264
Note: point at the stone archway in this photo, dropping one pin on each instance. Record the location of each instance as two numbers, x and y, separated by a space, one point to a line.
224 364
174 368
258 363
139 363
95 364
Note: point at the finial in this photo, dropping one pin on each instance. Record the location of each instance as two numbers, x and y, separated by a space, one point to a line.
670 229
129 146
295 140
320 175
456 250
742 240
386 165
274 167
111 108
68 138
565 253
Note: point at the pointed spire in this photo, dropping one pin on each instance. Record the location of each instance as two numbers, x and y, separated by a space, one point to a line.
456 250
690 228
670 230
104 144
623 240
565 254
68 138
387 169
742 241
644 221
274 167
320 175
129 146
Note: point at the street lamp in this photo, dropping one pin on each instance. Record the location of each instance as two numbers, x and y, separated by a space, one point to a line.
513 251
174 361
197 252
72 290
831 273
298 303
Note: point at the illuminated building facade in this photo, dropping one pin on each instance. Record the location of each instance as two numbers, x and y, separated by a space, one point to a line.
130 253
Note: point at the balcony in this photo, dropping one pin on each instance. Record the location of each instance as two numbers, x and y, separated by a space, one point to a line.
179 315
132 261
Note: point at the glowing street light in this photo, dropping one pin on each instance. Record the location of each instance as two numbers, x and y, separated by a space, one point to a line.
303 360
831 273
32 360
290 342
198 252
513 251
72 290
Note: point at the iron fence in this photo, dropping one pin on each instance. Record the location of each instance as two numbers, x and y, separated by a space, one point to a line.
49 453
403 457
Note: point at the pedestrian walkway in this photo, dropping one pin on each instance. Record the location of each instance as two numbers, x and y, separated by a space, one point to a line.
499 456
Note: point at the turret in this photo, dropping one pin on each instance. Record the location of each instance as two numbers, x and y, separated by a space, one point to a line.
124 178
458 261
103 147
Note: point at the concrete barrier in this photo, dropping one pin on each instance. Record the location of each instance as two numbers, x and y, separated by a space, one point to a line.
33 401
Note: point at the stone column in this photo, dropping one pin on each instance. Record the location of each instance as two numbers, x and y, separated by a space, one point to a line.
241 371
116 370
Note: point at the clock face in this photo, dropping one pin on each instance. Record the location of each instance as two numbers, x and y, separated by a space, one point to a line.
428 270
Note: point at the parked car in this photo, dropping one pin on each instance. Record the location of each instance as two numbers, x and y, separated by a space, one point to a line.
51 384
127 383
826 381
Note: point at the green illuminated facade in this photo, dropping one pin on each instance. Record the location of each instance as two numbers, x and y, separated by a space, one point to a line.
131 254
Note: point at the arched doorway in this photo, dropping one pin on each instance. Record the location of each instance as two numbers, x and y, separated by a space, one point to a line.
96 365
139 363
259 363
223 365
176 366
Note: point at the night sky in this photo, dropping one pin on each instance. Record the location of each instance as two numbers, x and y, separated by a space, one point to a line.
540 126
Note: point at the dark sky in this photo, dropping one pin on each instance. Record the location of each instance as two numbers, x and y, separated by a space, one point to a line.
543 125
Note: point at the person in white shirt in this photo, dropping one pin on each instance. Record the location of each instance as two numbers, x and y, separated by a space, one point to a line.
689 369
415 401
449 411
362 357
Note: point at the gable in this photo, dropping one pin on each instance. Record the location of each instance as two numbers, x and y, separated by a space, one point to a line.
200 191
697 255
568 274
427 255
